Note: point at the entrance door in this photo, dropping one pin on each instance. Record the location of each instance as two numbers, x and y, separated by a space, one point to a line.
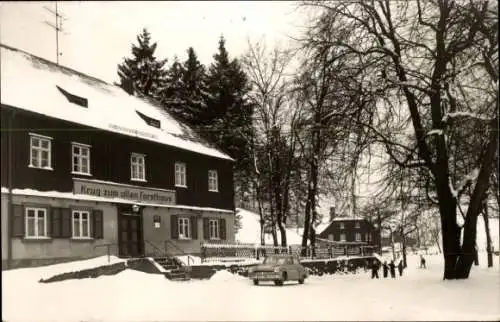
130 236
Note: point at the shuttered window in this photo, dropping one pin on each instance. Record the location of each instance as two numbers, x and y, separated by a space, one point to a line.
213 228
81 224
184 228
36 222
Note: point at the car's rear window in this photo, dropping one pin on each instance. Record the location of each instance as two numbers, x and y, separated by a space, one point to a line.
277 260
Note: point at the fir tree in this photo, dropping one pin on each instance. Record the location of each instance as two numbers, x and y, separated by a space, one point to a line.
143 71
172 97
229 114
195 89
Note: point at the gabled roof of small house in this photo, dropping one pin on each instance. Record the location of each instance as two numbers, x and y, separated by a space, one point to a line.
322 227
37 85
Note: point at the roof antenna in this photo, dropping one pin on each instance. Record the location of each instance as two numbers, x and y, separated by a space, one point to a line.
57 27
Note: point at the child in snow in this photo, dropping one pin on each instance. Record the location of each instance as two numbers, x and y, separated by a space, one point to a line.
375 268
392 268
422 262
386 269
400 268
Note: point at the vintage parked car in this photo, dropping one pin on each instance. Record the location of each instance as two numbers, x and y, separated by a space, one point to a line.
279 268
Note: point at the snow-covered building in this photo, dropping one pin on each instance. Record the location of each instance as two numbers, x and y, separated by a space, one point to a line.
86 167
342 229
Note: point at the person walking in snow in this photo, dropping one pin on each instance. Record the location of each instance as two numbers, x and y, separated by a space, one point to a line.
400 268
375 268
422 261
386 269
392 268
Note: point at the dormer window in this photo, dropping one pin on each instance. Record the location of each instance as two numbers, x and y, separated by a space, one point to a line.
81 101
357 225
149 120
341 225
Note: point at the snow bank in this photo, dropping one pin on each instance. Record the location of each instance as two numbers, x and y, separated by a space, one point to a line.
225 276
48 271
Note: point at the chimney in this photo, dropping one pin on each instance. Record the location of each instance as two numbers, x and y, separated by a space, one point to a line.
332 213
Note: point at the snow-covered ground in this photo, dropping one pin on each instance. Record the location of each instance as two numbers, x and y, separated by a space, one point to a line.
250 230
135 296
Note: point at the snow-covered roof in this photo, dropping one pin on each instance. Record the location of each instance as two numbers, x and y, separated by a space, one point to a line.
321 227
31 83
250 230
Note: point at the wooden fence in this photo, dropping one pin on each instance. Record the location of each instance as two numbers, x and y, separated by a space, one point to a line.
219 252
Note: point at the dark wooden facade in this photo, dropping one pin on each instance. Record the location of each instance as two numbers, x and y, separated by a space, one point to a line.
109 160
350 230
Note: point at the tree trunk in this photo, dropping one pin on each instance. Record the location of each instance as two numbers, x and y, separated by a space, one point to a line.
403 246
392 245
418 238
450 236
476 257
379 231
307 222
488 236
466 258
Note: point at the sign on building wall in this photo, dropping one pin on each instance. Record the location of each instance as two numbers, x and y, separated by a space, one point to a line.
135 193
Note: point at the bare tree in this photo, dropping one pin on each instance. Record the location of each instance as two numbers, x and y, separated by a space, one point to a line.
433 64
274 124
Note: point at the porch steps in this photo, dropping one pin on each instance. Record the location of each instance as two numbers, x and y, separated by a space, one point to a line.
175 271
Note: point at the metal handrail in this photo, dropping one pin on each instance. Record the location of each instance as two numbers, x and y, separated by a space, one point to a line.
108 245
167 242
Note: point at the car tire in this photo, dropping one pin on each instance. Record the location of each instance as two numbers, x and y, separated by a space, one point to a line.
255 282
278 282
301 280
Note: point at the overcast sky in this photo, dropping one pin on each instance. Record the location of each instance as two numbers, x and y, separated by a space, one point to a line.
97 35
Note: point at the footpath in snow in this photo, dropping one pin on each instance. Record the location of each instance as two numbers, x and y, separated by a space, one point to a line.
420 294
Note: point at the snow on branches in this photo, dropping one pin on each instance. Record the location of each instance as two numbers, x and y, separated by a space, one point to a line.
449 116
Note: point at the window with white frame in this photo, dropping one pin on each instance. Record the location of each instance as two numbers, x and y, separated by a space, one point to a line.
36 222
213 182
356 225
341 225
81 224
342 237
184 229
330 237
81 158
180 174
369 237
358 237
40 151
213 229
137 167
